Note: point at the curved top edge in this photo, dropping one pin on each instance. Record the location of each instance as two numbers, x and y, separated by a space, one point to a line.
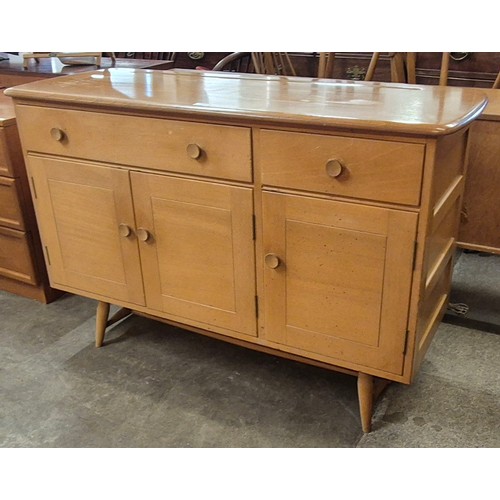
396 108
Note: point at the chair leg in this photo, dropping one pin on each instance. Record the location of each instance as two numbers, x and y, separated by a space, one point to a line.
329 65
371 68
411 63
496 85
445 63
397 67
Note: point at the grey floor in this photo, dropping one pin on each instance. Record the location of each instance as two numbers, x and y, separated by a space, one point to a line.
152 385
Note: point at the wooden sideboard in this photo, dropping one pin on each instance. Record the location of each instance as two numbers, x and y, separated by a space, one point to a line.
315 220
22 267
480 224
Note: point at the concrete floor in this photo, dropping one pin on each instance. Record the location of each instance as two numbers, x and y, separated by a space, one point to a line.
152 385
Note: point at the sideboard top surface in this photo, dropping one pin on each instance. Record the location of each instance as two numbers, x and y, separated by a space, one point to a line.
393 108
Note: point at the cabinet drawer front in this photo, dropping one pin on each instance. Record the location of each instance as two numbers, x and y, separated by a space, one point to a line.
10 204
359 168
200 149
16 256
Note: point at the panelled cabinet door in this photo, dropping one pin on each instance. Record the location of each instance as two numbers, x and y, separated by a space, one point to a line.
337 278
197 252
86 217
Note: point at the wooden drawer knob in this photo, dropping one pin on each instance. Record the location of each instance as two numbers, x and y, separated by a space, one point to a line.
272 260
194 151
124 230
57 134
334 167
143 234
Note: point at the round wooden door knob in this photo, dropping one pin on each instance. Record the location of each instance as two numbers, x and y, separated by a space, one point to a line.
194 151
124 230
272 261
334 167
57 134
143 234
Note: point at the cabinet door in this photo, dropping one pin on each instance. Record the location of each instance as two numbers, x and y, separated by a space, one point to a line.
86 219
337 278
197 250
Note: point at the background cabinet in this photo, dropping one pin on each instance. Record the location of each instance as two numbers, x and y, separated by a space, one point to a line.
22 268
480 224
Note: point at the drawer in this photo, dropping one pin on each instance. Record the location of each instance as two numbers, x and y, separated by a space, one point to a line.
16 260
11 214
192 148
5 164
11 156
352 167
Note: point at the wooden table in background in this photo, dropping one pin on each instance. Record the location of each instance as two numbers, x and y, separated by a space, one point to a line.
13 73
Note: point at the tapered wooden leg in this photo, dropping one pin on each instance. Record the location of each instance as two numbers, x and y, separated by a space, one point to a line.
365 396
101 322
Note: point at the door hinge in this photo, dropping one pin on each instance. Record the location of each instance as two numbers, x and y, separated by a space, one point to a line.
407 335
254 226
34 187
48 255
257 306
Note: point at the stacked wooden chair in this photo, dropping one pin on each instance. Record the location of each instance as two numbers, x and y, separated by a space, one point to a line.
402 65
264 63
403 68
397 62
